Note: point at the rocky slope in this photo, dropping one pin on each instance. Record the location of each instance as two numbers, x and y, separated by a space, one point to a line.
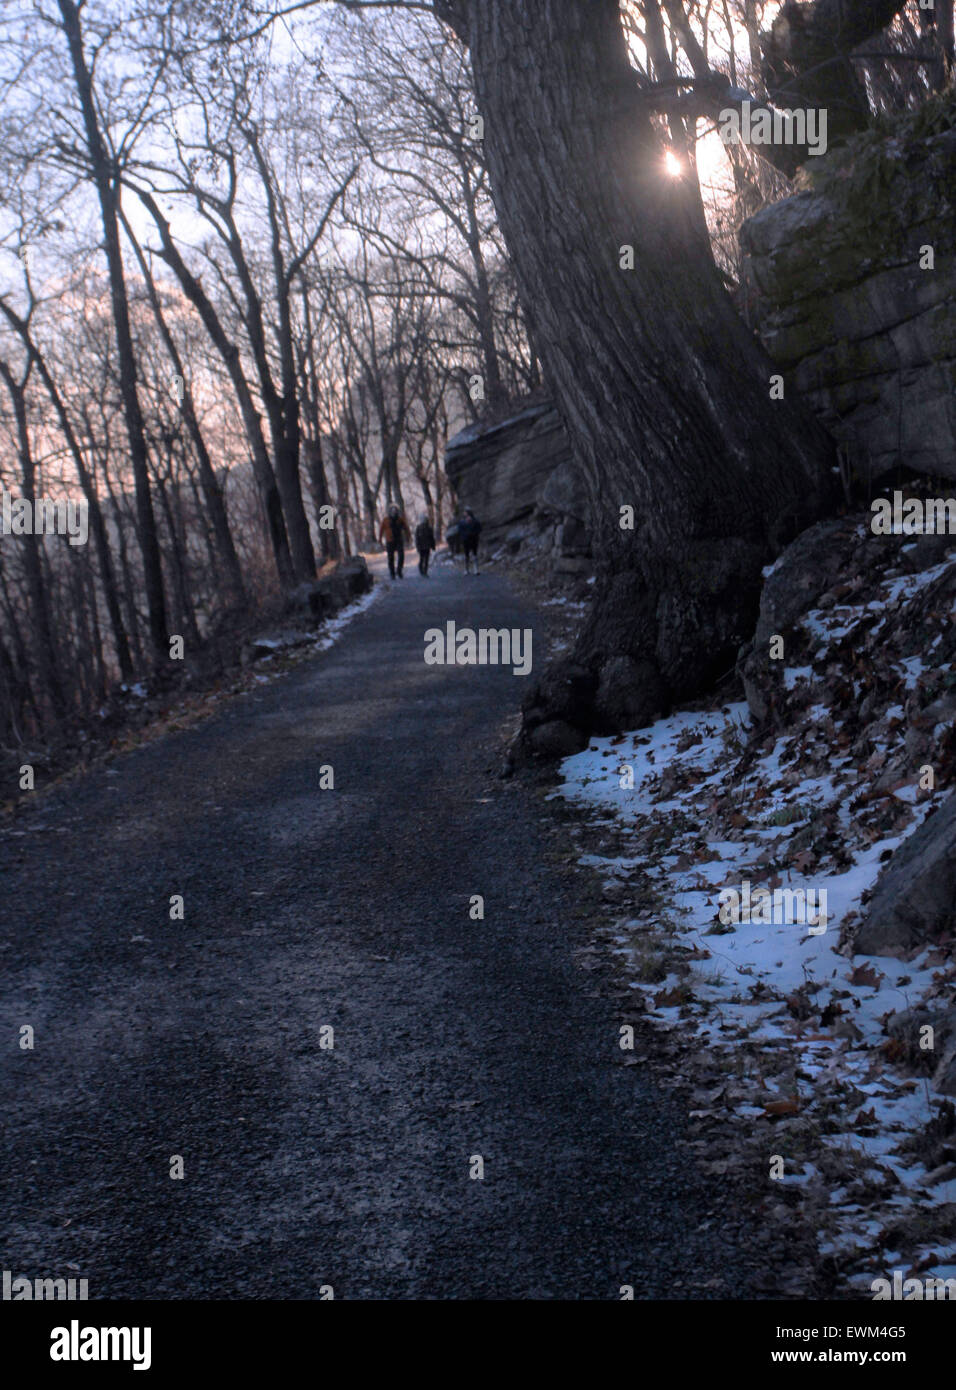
822 1063
852 288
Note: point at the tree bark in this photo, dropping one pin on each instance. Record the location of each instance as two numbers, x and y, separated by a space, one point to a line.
128 595
212 492
45 648
330 547
282 403
17 669
97 524
185 610
321 497
101 167
229 352
664 391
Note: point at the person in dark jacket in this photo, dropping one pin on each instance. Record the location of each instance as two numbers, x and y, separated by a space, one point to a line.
424 544
394 532
469 530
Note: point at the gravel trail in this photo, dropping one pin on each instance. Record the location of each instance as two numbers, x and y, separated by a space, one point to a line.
303 1166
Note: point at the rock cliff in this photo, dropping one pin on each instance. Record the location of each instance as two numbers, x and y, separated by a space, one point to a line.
852 288
519 477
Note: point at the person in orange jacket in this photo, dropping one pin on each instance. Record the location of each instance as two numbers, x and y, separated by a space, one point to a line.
394 532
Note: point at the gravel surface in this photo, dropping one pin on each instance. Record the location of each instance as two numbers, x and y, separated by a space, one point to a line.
348 1167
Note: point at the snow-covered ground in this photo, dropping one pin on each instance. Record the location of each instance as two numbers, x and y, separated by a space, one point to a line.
788 1030
328 634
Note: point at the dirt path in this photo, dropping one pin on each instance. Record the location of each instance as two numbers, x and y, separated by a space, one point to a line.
349 907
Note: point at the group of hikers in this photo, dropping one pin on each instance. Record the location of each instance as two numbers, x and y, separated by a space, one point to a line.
463 533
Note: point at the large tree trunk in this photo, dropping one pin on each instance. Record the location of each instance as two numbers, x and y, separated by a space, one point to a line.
665 392
282 404
16 671
103 174
45 649
330 547
484 314
287 447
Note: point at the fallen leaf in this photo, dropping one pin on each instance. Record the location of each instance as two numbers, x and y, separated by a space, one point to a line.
865 975
668 998
782 1107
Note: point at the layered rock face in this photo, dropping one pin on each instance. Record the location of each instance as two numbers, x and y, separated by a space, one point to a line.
519 478
853 292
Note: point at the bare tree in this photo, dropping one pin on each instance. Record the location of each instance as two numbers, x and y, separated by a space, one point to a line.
45 651
104 166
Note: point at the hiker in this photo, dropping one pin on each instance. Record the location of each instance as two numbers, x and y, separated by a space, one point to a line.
394 532
469 530
453 538
424 544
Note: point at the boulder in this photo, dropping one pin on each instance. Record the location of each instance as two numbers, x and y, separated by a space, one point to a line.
833 282
565 692
355 573
500 470
519 478
798 582
571 564
804 572
555 739
625 686
907 1028
914 901
307 606
321 598
564 493
270 643
571 536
